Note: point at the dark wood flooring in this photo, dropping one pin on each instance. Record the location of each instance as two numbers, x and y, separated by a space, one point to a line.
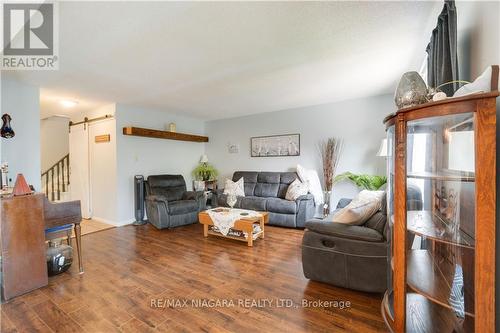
128 267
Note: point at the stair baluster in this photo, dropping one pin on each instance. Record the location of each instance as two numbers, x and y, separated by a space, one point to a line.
62 176
67 169
54 187
46 185
58 183
52 183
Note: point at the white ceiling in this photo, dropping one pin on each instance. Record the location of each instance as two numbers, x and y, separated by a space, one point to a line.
50 103
216 60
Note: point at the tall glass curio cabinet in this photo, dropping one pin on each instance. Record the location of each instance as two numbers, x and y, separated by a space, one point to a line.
441 215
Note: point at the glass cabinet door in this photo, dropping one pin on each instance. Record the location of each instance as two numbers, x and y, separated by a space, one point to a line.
440 195
390 219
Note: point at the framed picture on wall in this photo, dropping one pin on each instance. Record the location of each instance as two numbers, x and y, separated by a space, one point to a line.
275 145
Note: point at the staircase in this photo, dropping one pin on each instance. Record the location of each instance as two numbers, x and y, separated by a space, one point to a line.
55 181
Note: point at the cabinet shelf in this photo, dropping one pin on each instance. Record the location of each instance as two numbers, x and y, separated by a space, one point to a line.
425 223
385 308
431 279
151 133
464 177
424 316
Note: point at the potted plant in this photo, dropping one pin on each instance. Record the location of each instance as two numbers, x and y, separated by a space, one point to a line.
366 182
204 172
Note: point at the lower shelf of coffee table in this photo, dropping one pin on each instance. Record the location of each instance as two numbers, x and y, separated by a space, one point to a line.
242 239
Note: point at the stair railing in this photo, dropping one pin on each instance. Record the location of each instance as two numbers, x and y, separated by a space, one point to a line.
56 179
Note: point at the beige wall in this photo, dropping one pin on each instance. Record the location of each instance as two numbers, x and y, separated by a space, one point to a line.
478 36
149 156
22 152
358 122
54 140
479 47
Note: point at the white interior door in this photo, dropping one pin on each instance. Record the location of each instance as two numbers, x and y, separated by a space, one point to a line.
80 167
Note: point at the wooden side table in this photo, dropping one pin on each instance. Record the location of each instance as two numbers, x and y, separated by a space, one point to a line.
211 185
210 188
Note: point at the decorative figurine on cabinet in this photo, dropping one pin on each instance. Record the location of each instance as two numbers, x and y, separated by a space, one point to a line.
7 131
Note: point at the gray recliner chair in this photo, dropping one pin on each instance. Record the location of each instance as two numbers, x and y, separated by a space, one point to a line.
351 256
169 204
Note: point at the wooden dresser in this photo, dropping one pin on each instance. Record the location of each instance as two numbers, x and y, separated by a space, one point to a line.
23 245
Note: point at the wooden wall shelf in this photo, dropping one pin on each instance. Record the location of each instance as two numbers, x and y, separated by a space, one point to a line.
151 133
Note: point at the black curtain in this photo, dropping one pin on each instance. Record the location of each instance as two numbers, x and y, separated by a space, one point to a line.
442 62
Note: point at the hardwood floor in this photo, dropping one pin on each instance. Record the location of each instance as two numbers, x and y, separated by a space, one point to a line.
91 226
128 268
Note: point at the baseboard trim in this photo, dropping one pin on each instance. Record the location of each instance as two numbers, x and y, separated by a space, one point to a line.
114 223
100 219
126 222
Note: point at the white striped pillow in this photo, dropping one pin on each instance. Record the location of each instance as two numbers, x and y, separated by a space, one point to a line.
236 188
295 190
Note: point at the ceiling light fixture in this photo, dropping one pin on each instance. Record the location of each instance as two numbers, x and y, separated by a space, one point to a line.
68 103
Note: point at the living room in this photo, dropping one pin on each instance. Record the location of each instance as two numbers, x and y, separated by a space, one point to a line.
291 107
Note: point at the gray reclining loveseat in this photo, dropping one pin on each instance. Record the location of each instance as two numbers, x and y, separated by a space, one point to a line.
265 191
352 256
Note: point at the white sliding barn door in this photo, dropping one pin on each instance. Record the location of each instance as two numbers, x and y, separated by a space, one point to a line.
80 167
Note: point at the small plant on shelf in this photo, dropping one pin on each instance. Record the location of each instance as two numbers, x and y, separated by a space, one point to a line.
367 182
205 171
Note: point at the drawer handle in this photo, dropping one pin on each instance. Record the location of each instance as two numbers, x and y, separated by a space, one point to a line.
328 243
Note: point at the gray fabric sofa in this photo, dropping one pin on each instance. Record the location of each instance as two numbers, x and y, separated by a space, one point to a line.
169 204
350 256
265 191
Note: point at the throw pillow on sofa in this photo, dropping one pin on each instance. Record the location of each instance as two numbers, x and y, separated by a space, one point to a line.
361 208
295 190
311 178
236 188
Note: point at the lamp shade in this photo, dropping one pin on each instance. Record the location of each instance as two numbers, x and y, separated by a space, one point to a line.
204 158
382 151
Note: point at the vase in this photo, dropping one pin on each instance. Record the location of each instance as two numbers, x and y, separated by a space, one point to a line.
411 90
199 185
326 205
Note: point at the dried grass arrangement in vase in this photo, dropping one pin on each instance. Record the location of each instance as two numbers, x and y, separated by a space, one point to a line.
330 151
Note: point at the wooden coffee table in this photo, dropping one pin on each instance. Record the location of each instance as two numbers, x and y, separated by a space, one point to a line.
244 224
